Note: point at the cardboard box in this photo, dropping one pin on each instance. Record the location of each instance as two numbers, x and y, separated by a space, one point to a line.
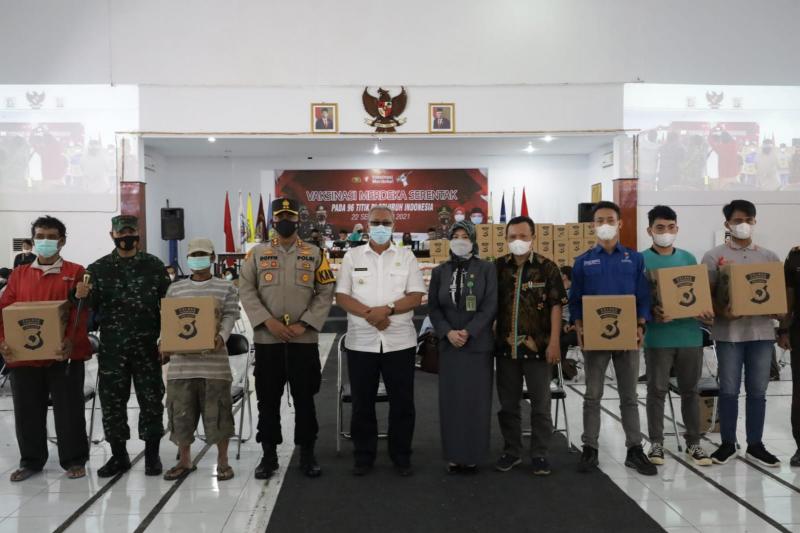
588 230
575 247
588 243
706 412
574 231
484 232
546 248
189 324
546 232
485 250
562 261
35 330
440 248
498 232
561 249
560 233
683 292
752 290
609 322
499 248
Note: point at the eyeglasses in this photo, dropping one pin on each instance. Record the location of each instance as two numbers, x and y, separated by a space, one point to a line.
376 223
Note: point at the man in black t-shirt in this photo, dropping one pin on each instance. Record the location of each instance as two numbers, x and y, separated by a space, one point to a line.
789 338
27 256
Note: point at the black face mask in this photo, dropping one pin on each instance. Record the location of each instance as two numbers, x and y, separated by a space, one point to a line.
285 228
126 243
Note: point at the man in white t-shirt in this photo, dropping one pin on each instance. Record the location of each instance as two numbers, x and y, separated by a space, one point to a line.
379 286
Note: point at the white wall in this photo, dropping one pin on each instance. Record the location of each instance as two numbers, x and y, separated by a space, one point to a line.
554 186
418 42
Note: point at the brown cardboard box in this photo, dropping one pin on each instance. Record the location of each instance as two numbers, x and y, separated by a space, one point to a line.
706 412
483 232
683 292
485 250
498 232
561 249
440 247
562 261
609 322
546 232
753 290
588 243
35 330
499 248
588 231
560 232
574 231
546 248
575 247
189 324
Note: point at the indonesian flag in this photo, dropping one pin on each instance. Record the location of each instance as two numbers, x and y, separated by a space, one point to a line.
524 211
229 246
242 225
250 229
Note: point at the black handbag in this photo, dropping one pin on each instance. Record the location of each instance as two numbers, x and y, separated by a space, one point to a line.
428 350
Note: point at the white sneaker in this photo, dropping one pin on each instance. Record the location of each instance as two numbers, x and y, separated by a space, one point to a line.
698 455
656 454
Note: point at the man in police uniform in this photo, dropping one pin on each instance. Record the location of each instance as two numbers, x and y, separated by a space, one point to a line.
322 225
286 287
125 292
306 225
445 222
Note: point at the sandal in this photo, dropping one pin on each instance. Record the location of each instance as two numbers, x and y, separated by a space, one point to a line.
21 474
224 473
178 471
76 472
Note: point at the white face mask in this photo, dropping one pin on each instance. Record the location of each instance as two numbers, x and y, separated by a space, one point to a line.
476 219
519 247
742 231
606 232
459 218
461 247
664 240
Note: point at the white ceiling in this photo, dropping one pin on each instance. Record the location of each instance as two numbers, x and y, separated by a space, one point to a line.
394 146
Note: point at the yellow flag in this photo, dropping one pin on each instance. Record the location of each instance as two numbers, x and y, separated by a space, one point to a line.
251 228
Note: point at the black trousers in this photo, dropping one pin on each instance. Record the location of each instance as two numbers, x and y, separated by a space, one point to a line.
794 334
275 365
31 388
397 370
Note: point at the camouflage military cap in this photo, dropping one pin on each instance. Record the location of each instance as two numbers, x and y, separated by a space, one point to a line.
120 222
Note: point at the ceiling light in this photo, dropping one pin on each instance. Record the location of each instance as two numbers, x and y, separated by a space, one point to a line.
375 149
212 139
548 138
530 149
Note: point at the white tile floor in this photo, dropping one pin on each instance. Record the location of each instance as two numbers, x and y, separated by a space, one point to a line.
678 498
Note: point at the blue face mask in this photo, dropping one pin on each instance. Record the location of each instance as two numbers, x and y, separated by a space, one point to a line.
198 263
46 248
380 234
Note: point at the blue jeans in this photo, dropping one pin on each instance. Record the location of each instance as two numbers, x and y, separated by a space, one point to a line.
755 357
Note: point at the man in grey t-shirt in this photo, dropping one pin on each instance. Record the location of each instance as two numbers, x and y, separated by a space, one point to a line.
742 342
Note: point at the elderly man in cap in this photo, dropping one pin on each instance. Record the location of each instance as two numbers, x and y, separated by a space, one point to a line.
286 288
125 292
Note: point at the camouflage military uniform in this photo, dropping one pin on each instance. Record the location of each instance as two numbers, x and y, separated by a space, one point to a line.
126 295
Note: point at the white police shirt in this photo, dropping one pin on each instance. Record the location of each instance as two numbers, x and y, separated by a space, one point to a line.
376 280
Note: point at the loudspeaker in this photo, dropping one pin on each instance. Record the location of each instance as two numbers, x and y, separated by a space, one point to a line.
584 212
172 223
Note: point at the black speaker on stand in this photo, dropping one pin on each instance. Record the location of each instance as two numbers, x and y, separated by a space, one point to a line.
584 212
172 224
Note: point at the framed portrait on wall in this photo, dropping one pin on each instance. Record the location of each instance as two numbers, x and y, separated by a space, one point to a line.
442 118
324 118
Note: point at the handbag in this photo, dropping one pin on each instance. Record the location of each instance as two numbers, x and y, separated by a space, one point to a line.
428 350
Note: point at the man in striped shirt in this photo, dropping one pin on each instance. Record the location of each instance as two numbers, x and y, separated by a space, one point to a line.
200 384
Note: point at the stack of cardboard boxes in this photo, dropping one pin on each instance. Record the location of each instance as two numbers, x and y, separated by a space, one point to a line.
491 240
562 243
440 250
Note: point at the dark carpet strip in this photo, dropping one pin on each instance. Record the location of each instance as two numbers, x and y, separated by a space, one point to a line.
749 463
96 496
433 501
732 495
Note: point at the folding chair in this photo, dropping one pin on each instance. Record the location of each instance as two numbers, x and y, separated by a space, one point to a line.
94 341
345 396
558 394
707 387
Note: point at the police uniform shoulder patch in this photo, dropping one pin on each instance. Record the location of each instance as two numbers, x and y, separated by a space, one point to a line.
324 273
249 254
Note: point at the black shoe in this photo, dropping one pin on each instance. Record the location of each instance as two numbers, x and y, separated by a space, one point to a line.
362 470
268 464
404 470
308 463
638 460
589 460
152 460
795 460
758 453
540 466
723 453
452 468
506 462
115 465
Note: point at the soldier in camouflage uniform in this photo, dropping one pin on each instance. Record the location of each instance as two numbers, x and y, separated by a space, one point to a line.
125 292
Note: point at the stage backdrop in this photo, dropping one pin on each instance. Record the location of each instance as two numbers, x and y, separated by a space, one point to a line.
341 198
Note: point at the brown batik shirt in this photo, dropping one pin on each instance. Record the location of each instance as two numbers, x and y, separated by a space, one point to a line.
527 295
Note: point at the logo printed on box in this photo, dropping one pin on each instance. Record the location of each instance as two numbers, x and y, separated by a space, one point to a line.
188 317
688 297
33 327
758 284
609 316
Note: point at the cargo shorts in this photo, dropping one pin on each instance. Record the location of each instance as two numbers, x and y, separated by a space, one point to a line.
189 399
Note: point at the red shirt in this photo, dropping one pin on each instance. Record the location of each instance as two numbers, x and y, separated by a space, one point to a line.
29 284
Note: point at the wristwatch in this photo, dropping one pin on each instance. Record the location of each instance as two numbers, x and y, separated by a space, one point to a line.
391 308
